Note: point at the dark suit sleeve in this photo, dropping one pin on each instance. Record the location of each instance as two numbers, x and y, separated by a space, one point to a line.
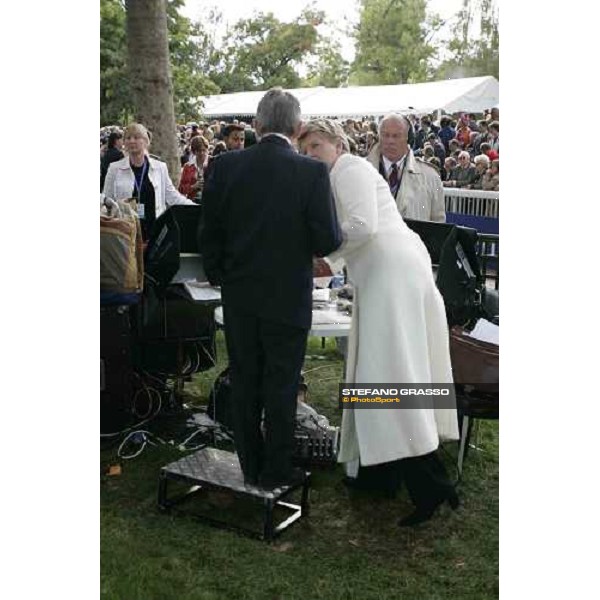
212 232
103 170
104 162
112 155
325 232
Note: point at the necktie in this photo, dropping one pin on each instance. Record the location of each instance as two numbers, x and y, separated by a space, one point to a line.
393 179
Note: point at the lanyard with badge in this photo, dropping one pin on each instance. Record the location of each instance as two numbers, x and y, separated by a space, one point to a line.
138 189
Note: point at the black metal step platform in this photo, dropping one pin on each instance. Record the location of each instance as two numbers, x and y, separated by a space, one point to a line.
214 469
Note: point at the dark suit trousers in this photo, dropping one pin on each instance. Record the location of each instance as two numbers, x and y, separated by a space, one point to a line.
265 359
425 477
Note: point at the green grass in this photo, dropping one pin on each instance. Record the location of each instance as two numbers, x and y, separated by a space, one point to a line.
350 546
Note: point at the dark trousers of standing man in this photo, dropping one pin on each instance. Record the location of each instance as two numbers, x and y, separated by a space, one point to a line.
265 359
425 477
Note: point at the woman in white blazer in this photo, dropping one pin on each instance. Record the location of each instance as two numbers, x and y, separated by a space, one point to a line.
399 332
142 177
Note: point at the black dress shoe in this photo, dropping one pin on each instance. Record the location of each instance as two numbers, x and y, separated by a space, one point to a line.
453 500
420 515
424 513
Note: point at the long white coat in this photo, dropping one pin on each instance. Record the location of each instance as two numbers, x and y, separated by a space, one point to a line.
399 331
118 184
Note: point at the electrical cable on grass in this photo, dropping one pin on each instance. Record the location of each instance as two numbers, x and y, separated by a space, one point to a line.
144 421
142 437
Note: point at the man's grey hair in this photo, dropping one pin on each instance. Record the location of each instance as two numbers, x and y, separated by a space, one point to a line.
278 112
482 158
394 117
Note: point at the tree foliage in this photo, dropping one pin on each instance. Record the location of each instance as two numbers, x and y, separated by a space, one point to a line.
392 42
256 53
263 51
474 47
189 47
328 68
115 95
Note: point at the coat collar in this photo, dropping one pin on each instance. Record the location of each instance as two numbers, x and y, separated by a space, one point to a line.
124 163
412 166
276 138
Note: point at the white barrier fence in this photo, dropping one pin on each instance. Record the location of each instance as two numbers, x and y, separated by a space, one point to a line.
472 202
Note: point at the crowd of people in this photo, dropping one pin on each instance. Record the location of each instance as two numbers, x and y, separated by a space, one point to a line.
463 150
441 142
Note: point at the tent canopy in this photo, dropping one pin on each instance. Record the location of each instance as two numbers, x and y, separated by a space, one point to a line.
472 94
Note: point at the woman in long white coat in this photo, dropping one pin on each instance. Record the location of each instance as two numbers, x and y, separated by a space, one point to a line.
399 332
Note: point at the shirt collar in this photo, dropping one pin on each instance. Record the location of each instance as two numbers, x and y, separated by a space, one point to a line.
280 135
387 163
126 164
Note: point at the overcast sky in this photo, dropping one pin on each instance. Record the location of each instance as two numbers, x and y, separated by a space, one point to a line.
338 10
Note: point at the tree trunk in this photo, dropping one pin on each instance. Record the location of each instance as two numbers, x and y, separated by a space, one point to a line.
150 77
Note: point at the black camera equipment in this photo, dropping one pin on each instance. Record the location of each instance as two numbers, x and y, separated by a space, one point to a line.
148 349
453 252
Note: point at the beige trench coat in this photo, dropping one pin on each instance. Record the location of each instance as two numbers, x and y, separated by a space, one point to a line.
421 194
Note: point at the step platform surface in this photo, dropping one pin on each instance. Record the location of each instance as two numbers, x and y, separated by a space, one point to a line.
214 469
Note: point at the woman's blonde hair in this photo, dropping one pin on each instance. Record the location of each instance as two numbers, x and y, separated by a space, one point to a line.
329 129
137 129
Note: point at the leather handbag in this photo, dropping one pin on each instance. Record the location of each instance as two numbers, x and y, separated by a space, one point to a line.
475 363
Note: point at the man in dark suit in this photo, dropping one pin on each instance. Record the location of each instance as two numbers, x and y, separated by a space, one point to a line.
113 154
268 211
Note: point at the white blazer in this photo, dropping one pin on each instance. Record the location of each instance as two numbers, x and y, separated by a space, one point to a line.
118 184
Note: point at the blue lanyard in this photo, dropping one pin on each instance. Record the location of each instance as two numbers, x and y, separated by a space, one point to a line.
138 185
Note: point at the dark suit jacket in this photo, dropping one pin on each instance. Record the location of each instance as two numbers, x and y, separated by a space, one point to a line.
267 212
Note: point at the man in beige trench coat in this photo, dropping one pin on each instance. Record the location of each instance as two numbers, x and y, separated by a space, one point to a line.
415 185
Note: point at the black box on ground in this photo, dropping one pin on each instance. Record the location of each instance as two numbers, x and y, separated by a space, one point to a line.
116 367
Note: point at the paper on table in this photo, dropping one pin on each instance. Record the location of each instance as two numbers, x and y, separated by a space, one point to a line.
330 317
321 295
486 332
202 291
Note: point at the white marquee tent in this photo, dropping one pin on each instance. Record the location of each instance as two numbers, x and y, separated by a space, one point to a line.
472 94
